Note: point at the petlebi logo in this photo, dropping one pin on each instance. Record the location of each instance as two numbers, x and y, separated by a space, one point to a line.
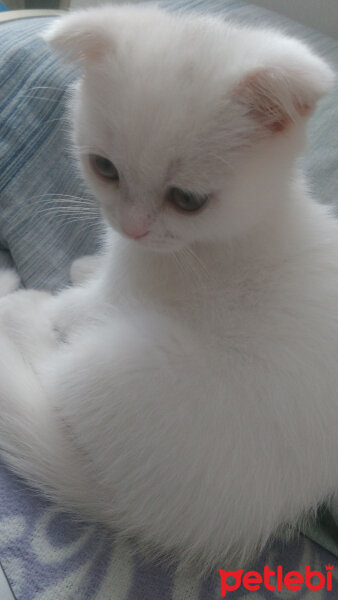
275 580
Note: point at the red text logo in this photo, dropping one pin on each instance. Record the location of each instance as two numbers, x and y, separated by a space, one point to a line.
275 580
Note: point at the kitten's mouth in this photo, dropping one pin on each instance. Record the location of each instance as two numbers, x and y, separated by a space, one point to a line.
147 239
166 245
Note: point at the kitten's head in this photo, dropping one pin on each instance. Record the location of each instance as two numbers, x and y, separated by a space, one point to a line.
185 125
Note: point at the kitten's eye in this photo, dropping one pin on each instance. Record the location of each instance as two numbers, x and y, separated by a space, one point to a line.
187 201
104 167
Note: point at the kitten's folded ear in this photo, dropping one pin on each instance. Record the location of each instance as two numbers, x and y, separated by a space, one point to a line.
287 87
82 37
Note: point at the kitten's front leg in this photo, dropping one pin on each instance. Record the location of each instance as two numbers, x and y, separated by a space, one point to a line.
85 268
76 307
25 319
9 281
33 439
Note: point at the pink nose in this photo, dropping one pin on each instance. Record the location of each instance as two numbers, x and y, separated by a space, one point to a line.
135 234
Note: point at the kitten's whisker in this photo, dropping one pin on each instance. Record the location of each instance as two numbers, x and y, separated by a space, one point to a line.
49 205
34 96
51 197
88 222
180 264
45 87
190 260
185 267
197 259
68 211
223 160
89 215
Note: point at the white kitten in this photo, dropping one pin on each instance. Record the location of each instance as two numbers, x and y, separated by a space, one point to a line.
187 393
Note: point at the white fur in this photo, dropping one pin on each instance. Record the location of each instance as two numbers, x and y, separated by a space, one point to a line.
187 393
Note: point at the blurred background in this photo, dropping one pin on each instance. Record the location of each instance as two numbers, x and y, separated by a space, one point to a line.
48 4
319 14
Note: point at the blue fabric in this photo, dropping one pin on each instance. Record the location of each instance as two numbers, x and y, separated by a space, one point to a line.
46 555
36 163
3 7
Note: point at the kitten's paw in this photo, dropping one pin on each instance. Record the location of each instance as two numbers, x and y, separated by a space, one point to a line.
84 268
9 281
25 319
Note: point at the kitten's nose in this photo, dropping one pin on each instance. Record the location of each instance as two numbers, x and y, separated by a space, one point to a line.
135 233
